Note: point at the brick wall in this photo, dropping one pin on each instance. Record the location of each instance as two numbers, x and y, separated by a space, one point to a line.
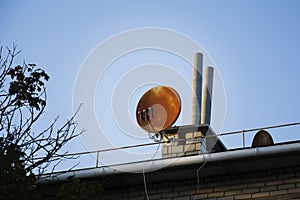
183 144
269 184
190 140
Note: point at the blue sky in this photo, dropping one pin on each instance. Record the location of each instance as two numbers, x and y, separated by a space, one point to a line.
254 44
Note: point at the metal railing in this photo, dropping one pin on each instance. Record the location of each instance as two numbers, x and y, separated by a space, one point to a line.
242 132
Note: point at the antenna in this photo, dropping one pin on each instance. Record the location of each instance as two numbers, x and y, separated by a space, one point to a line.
157 110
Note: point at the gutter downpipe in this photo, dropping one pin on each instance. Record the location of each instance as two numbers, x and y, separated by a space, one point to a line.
137 167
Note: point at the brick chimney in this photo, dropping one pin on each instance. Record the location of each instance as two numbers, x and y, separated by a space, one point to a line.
197 138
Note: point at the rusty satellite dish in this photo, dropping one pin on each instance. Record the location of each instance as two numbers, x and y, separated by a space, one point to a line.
158 109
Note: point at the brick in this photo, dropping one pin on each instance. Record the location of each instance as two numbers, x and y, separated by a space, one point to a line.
217 178
286 186
259 184
292 180
137 198
182 198
243 196
164 150
216 194
250 190
260 194
114 196
189 135
261 174
198 146
182 187
208 179
205 190
268 188
177 149
170 195
201 196
234 192
278 192
277 182
289 175
286 170
226 198
239 186
215 184
197 134
268 178
223 188
190 147
167 184
192 182
271 173
168 155
232 182
155 196
294 190
188 192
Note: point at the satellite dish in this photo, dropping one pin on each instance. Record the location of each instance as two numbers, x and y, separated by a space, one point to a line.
262 138
158 109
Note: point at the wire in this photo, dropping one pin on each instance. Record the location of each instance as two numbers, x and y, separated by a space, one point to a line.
145 184
144 175
198 176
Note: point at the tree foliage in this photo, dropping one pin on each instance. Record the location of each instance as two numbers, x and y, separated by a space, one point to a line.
24 152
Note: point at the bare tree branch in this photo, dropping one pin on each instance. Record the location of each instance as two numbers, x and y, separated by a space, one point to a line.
23 100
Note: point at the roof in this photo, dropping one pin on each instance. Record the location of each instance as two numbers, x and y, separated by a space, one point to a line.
227 162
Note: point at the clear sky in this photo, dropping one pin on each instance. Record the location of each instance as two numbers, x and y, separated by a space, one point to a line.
254 44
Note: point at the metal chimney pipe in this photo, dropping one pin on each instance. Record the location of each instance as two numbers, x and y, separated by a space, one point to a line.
207 95
197 88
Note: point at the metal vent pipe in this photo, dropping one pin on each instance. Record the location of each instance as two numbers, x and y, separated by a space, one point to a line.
197 88
207 95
